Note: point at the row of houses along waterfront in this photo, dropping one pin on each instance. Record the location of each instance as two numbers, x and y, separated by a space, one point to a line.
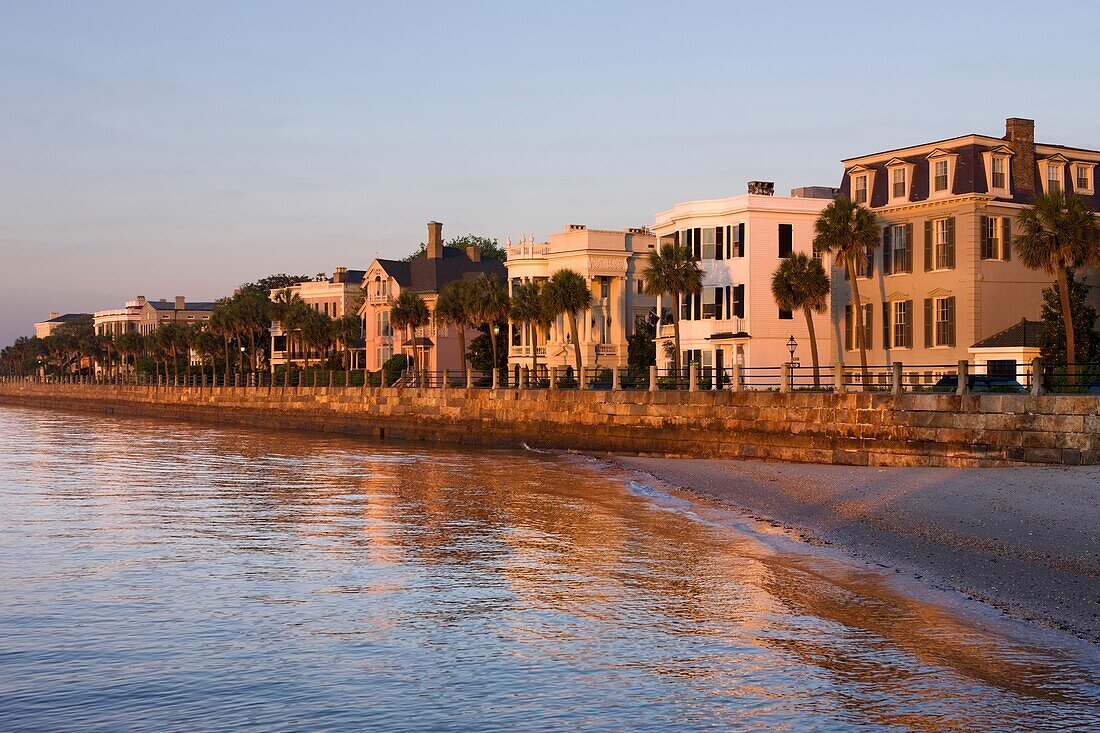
942 286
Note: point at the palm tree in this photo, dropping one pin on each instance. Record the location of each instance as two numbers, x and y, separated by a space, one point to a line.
409 312
452 308
528 310
347 331
131 344
672 270
223 322
490 304
566 292
800 283
1059 231
849 232
316 333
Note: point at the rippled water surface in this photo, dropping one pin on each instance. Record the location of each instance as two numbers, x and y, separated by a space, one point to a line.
161 576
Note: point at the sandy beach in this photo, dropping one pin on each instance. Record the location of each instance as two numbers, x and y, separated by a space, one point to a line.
1026 540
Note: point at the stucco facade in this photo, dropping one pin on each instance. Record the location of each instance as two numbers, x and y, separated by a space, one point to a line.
118 321
157 313
335 296
611 263
739 242
945 275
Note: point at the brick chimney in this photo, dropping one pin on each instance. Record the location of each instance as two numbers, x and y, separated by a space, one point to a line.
1020 134
54 315
473 253
435 240
340 274
180 302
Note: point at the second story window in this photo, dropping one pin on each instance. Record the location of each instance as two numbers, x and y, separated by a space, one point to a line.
1083 179
998 166
384 328
861 190
897 249
939 244
708 243
939 181
897 178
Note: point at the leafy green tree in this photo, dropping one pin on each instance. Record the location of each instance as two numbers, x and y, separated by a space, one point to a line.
488 247
1058 232
641 348
849 232
672 270
800 284
1052 339
481 353
131 344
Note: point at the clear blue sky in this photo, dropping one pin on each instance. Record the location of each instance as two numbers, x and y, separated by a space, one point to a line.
183 148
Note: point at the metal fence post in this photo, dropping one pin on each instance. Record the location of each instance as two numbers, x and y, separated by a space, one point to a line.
653 379
1037 377
693 378
838 378
896 386
964 378
785 377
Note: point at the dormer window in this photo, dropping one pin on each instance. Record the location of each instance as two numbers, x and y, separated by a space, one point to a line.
1083 178
998 165
939 176
897 182
1054 178
901 178
861 189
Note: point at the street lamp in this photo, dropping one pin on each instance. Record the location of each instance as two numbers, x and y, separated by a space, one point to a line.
791 346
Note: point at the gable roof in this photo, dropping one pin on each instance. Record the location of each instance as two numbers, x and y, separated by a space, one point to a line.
429 275
1024 334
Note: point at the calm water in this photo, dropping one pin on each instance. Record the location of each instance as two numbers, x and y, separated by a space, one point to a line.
164 577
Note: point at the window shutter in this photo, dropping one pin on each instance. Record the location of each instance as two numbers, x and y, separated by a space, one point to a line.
718 302
740 240
928 245
908 266
739 301
1006 239
698 306
868 327
870 271
676 238
985 244
729 242
848 328
697 241
928 325
729 303
908 324
886 325
887 259
719 243
951 243
951 320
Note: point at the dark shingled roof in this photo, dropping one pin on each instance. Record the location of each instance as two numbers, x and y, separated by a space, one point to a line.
170 305
1024 334
424 275
67 317
353 276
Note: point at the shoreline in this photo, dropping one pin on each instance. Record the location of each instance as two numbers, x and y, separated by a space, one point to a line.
1023 540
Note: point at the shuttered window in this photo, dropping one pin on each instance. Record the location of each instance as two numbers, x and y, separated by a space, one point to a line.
943 242
719 243
945 321
1006 239
868 326
902 330
738 301
708 250
886 319
848 329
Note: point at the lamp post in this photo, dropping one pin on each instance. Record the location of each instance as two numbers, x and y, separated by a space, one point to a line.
791 346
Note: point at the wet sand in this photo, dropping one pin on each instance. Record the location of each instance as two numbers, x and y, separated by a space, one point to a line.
1026 540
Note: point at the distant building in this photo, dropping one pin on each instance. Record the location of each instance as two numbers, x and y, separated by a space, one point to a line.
426 274
336 297
611 262
156 313
1006 353
118 321
739 242
42 329
945 277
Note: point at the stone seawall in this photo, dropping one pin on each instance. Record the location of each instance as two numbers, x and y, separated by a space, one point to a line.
855 429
